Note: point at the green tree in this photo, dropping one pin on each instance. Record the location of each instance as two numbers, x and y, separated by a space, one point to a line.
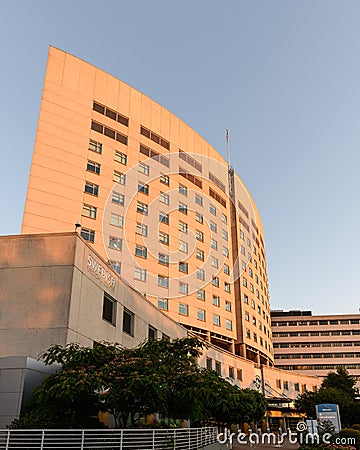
342 381
337 387
157 376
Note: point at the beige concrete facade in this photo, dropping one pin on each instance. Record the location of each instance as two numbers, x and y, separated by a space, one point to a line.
316 345
155 199
55 290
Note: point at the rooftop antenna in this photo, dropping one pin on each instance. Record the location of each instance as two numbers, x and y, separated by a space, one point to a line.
228 147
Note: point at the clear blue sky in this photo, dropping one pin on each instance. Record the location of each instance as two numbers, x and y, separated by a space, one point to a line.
283 76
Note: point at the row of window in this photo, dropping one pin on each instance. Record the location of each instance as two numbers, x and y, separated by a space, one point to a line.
154 137
257 322
315 322
317 355
255 339
327 367
216 365
216 301
163 303
140 274
317 333
109 314
259 310
316 344
114 115
109 132
284 384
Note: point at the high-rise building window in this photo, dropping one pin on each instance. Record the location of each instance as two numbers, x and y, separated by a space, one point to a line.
163 303
116 265
163 238
120 157
198 199
199 217
117 198
183 227
164 198
213 244
119 177
216 300
213 226
142 208
200 254
89 211
214 262
199 235
95 146
91 188
163 281
183 267
183 309
200 294
165 179
201 314
141 229
216 320
88 235
163 259
144 168
183 246
143 188
115 243
139 274
200 274
93 166
183 288
182 190
116 220
164 218
183 208
140 251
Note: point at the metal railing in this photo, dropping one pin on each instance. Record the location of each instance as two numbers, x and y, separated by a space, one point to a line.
124 439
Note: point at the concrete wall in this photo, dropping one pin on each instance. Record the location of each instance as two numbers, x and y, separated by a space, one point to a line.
19 375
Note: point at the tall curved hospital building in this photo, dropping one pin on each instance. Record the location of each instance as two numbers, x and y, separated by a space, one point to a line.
154 199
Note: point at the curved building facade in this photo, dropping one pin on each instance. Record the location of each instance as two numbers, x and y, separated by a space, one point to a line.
153 198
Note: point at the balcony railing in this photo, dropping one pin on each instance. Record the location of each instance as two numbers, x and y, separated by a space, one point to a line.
126 439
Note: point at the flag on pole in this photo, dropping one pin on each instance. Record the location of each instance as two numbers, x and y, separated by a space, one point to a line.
227 136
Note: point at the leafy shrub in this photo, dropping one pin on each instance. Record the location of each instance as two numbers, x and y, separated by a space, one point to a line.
351 433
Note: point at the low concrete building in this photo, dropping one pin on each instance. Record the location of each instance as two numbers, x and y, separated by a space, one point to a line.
55 289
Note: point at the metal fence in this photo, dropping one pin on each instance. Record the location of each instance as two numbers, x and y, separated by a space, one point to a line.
128 439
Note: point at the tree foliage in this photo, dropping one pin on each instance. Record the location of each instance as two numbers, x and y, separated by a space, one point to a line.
337 387
157 376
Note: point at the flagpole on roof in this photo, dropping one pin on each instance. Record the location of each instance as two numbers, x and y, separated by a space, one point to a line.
228 148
